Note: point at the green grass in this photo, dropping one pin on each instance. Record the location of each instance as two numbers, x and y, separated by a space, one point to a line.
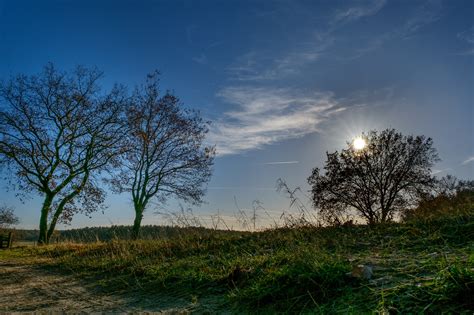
424 267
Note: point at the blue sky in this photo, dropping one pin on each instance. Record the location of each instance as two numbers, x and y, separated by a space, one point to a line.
282 81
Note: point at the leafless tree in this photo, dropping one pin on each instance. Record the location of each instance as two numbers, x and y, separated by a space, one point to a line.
58 132
165 152
7 217
389 174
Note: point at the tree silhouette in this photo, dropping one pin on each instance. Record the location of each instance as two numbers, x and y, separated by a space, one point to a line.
165 155
387 175
57 133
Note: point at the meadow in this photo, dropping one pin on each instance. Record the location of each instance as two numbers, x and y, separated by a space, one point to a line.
418 266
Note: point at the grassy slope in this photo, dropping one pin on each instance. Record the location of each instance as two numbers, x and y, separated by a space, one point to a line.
418 267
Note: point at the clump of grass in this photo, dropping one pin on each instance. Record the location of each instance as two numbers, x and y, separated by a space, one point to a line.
458 284
292 283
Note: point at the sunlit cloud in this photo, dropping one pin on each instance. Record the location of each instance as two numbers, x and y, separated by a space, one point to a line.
265 116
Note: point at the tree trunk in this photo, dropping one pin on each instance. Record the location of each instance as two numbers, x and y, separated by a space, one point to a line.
137 222
43 227
59 209
52 225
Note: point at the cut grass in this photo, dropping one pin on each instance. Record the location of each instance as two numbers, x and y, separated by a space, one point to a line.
418 267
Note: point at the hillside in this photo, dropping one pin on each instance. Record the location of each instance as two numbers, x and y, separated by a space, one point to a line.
417 267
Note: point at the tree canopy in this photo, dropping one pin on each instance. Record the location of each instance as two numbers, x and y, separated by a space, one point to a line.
165 154
385 176
58 131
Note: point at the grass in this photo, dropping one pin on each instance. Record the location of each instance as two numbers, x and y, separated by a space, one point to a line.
419 267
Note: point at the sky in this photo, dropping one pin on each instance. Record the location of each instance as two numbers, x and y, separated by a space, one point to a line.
283 82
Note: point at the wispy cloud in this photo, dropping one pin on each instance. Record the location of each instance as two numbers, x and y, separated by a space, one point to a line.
201 59
467 37
355 12
468 160
190 31
281 163
259 66
268 115
250 66
424 15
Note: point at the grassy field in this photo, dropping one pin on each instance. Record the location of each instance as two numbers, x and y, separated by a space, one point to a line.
425 267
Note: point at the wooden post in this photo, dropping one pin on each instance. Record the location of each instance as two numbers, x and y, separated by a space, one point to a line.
10 240
6 239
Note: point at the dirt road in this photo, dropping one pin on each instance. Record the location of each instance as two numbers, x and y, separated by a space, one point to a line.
26 288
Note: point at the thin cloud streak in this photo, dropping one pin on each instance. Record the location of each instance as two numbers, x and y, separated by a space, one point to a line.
281 163
468 160
268 115
435 171
237 188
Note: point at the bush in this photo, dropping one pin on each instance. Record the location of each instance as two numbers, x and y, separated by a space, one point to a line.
443 205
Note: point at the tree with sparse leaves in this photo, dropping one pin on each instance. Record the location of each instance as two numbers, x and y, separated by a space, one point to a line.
58 132
389 174
165 152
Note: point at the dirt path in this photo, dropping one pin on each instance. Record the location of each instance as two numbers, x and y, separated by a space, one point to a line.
26 288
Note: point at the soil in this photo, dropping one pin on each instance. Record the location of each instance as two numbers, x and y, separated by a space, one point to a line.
27 288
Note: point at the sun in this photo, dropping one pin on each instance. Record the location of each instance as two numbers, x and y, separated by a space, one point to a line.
359 143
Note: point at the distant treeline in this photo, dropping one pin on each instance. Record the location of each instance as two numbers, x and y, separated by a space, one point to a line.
122 232
22 235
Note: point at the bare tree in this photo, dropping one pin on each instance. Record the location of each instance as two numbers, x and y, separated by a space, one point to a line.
165 154
7 217
385 176
57 133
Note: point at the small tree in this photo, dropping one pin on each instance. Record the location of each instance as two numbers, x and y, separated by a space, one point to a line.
7 217
378 180
57 133
165 153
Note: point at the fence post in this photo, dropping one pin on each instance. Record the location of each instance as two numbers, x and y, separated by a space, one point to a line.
10 240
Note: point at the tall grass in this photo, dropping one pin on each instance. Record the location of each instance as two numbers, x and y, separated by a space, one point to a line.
419 266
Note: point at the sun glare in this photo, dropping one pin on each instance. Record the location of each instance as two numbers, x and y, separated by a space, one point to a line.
359 143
